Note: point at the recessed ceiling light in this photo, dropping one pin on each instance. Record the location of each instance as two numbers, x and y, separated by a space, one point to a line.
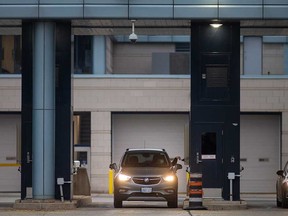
216 25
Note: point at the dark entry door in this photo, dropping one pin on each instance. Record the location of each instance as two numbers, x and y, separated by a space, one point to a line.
209 153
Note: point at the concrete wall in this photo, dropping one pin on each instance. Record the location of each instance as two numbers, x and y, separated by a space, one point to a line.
10 94
273 58
105 95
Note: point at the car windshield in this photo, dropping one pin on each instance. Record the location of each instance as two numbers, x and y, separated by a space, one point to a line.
144 159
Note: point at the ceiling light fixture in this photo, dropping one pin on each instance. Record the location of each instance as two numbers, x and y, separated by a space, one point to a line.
216 25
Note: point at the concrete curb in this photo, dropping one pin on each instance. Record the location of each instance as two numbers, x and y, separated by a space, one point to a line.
211 204
52 205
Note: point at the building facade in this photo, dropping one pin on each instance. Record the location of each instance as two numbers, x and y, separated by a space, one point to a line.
138 95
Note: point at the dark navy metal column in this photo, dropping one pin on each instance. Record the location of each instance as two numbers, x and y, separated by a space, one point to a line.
26 111
215 105
64 111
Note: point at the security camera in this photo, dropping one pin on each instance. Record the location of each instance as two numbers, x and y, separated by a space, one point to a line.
133 37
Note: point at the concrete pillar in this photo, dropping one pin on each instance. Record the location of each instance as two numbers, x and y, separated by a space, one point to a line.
98 54
43 111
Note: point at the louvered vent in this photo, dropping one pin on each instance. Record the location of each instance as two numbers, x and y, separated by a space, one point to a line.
182 47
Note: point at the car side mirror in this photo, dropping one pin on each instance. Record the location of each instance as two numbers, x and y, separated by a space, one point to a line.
113 166
280 172
178 166
174 161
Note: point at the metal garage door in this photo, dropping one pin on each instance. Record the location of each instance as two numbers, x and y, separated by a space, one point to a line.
10 178
260 147
150 131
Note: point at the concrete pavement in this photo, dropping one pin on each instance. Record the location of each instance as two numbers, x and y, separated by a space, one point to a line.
102 205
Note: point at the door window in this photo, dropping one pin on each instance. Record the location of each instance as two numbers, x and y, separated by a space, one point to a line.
209 146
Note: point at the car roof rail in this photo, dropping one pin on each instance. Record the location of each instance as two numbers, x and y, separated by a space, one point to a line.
129 149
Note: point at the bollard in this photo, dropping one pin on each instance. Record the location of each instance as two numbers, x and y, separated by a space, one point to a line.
111 178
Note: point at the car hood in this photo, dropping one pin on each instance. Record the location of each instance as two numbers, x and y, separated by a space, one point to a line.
146 171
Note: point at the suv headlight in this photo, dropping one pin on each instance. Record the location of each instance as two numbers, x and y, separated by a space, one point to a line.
122 177
169 178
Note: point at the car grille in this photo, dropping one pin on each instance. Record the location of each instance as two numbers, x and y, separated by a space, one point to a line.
146 180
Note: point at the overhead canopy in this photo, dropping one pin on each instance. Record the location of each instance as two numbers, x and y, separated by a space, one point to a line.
151 27
144 9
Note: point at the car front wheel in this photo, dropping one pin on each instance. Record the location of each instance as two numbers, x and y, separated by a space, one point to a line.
173 203
285 202
117 202
279 204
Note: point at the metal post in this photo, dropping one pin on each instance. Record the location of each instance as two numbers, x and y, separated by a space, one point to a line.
231 176
231 189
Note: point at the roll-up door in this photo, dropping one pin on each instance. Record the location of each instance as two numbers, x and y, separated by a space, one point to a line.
10 177
150 131
260 148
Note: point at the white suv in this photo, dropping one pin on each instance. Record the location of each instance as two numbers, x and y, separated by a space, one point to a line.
282 187
146 174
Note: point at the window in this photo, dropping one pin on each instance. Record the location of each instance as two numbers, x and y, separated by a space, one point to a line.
208 145
82 54
143 159
10 54
252 55
82 128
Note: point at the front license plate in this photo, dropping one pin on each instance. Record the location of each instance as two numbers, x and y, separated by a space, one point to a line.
146 190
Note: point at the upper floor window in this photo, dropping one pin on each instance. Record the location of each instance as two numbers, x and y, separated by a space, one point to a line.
150 58
10 54
82 55
104 55
252 55
264 56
